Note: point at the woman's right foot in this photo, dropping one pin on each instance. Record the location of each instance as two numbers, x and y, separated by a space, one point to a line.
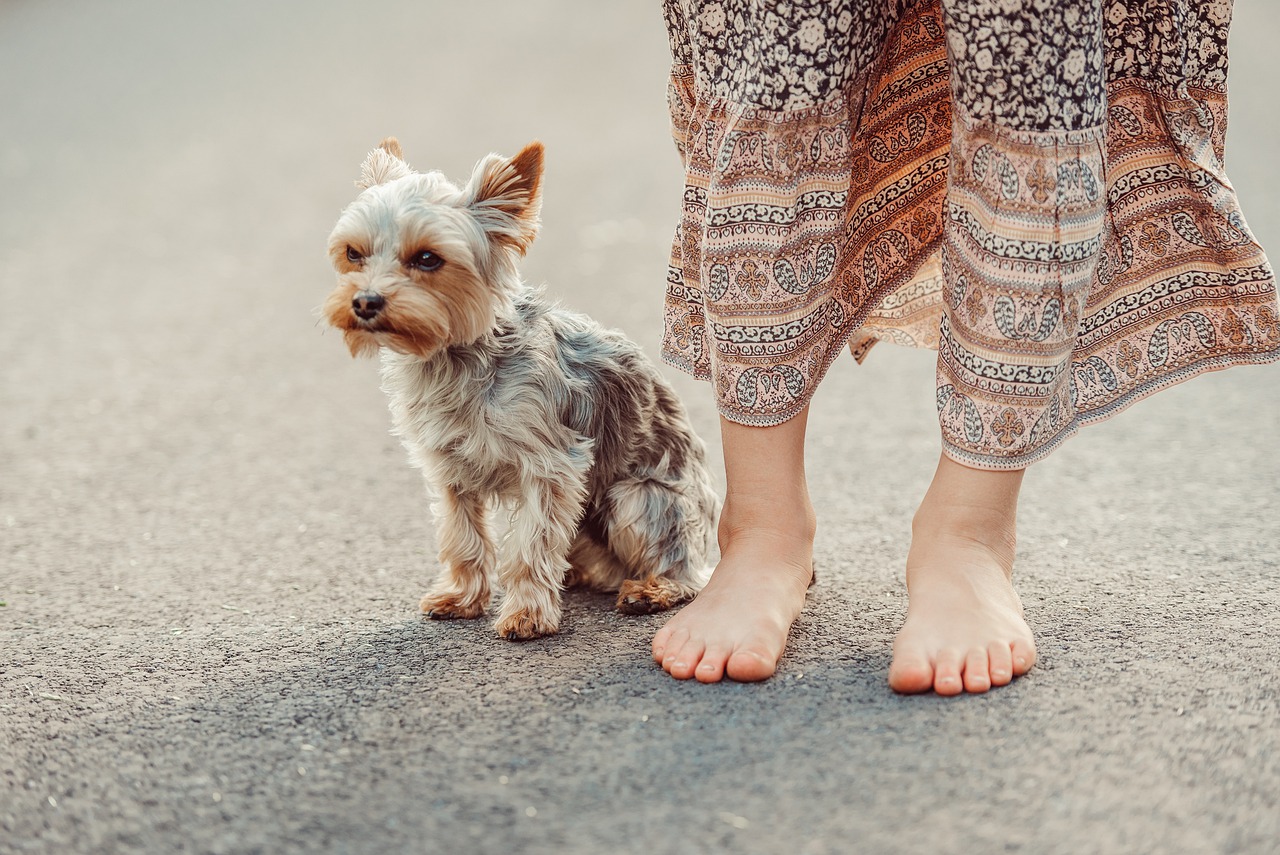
737 626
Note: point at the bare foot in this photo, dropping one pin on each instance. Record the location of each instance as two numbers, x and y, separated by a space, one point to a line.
964 630
737 626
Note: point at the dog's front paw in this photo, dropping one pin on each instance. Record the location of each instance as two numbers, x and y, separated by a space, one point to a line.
655 594
449 605
525 624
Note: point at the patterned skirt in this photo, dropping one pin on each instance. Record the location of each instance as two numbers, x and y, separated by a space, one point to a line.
1034 188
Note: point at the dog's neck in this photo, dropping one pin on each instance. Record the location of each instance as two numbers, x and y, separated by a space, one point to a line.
442 400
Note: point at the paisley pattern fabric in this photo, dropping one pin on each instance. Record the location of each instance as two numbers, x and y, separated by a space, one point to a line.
1035 189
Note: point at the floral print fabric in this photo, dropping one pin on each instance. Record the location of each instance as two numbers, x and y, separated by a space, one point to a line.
1036 192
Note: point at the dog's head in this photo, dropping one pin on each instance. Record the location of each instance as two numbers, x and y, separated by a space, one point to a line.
423 264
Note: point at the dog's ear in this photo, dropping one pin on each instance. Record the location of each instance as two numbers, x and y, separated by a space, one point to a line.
504 195
385 163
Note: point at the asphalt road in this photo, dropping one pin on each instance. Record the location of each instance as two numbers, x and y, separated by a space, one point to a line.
211 550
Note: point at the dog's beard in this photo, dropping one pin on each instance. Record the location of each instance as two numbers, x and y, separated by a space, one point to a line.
415 320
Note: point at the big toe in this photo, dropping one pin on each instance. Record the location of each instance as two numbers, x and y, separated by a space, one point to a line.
749 665
910 673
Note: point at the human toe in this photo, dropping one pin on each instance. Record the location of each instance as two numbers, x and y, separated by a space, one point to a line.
946 673
910 673
748 665
1024 656
977 673
682 662
1000 663
711 668
668 638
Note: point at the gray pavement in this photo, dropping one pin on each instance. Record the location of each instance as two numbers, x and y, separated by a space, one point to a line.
211 549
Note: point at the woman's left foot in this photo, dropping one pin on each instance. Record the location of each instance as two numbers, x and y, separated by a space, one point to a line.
964 630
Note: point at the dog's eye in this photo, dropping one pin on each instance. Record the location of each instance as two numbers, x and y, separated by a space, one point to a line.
426 260
353 255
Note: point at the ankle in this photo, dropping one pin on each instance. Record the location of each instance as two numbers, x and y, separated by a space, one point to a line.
781 550
994 529
783 522
972 506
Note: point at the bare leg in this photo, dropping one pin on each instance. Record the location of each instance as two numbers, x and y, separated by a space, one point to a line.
738 625
964 630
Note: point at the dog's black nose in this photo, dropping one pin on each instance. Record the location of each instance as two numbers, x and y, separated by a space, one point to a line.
367 305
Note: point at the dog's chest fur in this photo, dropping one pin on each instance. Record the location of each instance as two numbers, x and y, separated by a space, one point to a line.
546 389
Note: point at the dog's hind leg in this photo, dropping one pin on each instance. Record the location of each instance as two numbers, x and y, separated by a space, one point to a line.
593 566
662 533
467 555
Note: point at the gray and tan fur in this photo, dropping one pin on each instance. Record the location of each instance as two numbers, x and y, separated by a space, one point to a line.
502 399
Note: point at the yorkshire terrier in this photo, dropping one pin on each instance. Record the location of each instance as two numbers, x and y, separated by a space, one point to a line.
503 399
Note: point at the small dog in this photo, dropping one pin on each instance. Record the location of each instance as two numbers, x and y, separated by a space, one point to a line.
501 398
